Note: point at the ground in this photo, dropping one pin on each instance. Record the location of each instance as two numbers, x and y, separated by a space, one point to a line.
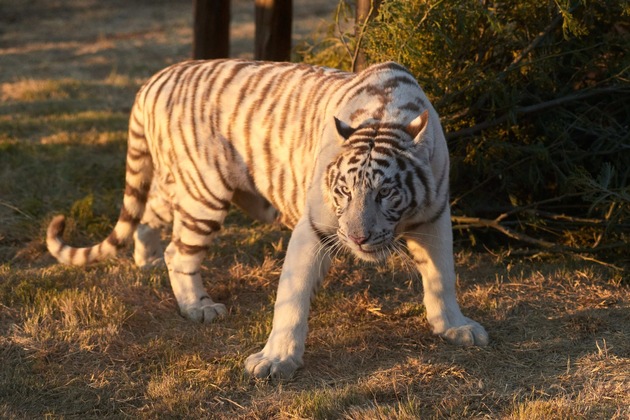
106 341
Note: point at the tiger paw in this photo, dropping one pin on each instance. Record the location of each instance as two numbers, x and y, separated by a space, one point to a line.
151 263
205 313
260 366
469 334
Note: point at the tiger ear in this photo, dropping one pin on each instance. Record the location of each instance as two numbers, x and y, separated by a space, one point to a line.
418 126
344 129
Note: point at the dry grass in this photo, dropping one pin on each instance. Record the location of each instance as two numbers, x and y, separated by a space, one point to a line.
106 341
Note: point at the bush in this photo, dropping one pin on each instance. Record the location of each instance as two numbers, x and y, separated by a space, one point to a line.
535 99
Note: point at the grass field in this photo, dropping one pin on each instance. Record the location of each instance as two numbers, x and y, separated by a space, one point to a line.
107 341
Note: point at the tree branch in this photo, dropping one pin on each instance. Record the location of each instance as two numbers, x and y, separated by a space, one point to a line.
578 96
463 222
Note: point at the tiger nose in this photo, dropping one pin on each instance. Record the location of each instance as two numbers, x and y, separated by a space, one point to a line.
359 240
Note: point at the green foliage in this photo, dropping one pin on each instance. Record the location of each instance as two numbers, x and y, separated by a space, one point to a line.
333 46
83 209
534 97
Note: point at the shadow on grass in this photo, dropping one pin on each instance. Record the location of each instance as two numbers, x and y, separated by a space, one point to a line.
369 342
38 181
550 343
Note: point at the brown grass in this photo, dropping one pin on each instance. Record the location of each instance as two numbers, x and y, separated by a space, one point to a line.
106 341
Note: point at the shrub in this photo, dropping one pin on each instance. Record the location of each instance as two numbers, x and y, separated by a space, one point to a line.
535 100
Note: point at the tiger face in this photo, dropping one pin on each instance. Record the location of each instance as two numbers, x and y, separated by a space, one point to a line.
376 182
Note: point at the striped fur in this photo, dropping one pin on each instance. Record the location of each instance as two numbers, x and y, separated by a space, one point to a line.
347 160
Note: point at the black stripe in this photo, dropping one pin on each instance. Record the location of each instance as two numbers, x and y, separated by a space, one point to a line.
410 186
410 106
186 273
156 99
158 215
137 154
201 227
294 209
354 159
235 70
419 171
393 144
126 216
188 249
208 113
222 177
376 171
383 151
194 85
396 81
139 194
199 181
114 240
244 89
432 219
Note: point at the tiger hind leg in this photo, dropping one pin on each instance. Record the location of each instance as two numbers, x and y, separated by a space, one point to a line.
255 205
192 232
148 251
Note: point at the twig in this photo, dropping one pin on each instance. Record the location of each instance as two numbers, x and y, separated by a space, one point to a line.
607 217
564 217
12 207
485 181
519 209
361 33
341 33
604 263
534 43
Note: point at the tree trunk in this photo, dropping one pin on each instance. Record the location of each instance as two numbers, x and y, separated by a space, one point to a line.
211 29
366 9
273 30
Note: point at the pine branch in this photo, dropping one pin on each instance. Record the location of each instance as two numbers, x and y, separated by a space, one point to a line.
578 96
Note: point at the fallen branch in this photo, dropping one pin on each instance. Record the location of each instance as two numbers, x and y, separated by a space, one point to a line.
498 224
565 218
461 223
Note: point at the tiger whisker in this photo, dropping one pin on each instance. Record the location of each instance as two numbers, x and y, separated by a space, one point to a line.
424 239
418 234
408 264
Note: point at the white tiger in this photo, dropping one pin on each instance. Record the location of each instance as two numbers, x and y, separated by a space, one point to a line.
356 159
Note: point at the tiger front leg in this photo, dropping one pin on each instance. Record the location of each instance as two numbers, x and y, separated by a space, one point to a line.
183 257
431 246
304 267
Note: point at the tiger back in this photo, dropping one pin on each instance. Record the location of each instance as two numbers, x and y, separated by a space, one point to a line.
357 161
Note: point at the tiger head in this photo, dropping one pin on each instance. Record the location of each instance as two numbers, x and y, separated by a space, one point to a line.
378 180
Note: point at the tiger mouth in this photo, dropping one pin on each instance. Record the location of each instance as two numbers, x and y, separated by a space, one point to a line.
372 255
373 252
